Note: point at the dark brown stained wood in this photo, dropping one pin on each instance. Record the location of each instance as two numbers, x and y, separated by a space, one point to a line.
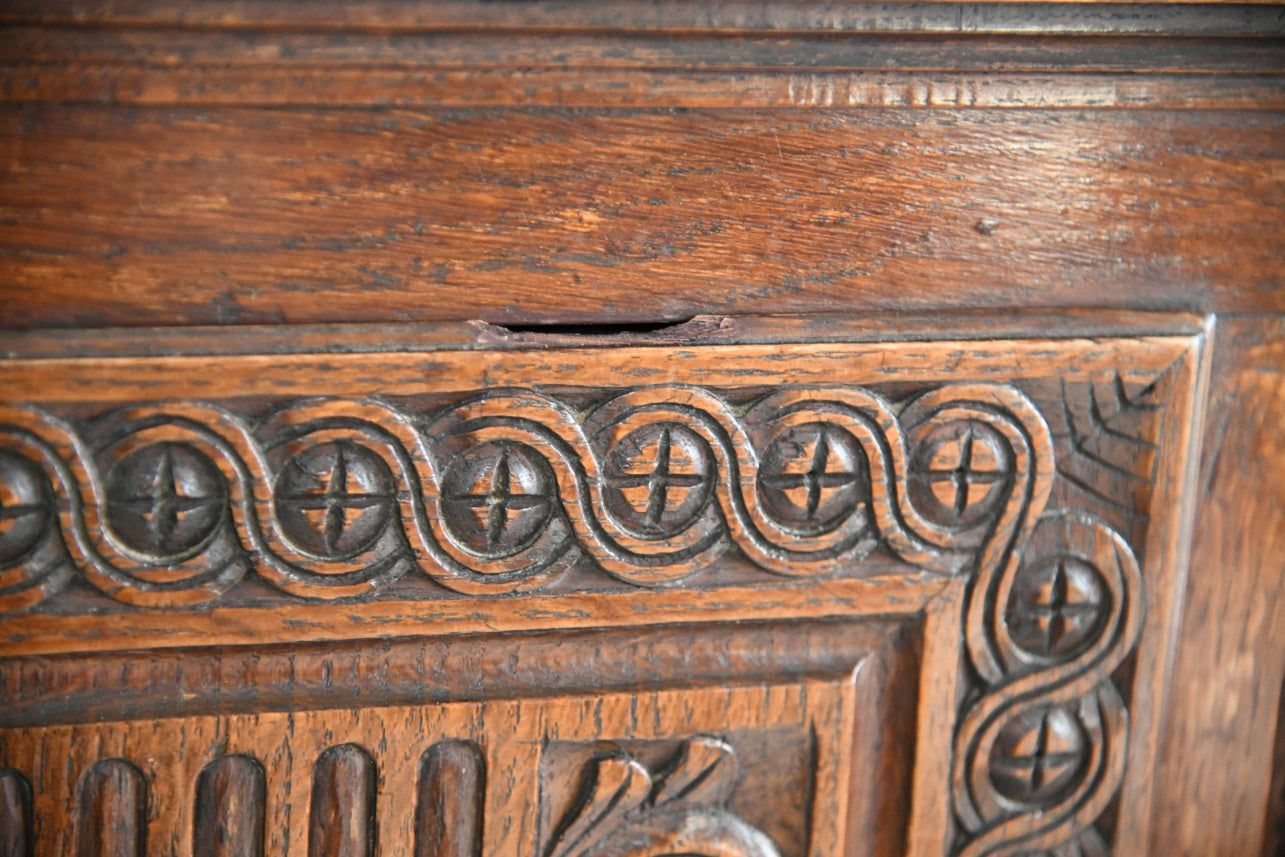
124 380
975 485
872 327
762 717
884 740
613 771
112 814
231 794
282 51
342 815
983 459
223 215
1274 834
297 623
232 85
420 572
674 15
753 428
422 671
1223 709
683 801
167 66
452 786
16 834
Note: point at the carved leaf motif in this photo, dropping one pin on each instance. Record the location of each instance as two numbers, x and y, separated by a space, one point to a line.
706 774
620 785
628 813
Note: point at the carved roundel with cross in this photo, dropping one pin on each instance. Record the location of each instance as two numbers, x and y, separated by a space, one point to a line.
1038 756
165 500
334 500
959 470
1057 607
812 478
497 498
658 479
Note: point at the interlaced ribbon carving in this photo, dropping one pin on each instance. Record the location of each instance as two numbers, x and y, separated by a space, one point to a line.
172 504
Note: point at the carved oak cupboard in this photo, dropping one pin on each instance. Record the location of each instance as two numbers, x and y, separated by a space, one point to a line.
737 430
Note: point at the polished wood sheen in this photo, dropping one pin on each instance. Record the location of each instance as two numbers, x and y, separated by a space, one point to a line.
230 798
734 429
452 783
1019 513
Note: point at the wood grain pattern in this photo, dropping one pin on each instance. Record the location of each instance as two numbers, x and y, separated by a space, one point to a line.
230 800
509 491
302 216
1231 654
107 380
36 634
149 86
438 505
112 816
342 819
452 794
1274 834
201 49
365 789
627 807
181 501
529 67
808 500
648 15
430 670
15 814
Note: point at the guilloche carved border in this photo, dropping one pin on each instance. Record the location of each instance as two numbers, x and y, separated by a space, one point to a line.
175 503
1043 507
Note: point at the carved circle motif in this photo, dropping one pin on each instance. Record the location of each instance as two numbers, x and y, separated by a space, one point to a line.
959 470
812 478
165 500
497 498
24 507
1038 756
658 479
327 499
1057 606
334 500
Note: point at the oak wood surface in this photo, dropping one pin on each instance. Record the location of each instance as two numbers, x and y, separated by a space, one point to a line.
583 198
335 806
521 156
127 216
1231 653
1082 439
410 670
882 583
1023 16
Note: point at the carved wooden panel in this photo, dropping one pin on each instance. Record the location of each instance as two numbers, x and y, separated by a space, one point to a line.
758 599
463 778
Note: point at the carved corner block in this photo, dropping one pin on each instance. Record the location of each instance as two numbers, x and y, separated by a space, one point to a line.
1020 502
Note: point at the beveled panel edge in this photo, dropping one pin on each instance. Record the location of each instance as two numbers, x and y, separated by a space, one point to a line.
134 685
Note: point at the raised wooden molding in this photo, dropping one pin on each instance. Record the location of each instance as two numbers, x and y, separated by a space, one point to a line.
730 55
846 16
